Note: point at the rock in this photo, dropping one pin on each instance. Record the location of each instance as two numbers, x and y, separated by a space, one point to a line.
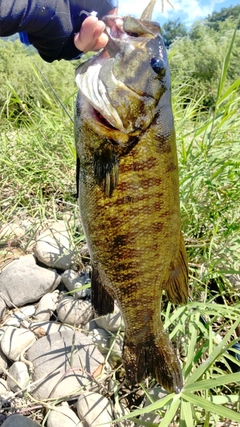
63 416
12 231
234 279
23 282
3 362
47 305
116 343
2 308
101 338
53 247
3 387
74 282
17 317
111 322
45 328
156 393
19 421
19 377
15 341
63 367
74 312
119 412
94 409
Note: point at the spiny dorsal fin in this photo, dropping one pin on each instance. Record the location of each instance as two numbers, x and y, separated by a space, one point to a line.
148 11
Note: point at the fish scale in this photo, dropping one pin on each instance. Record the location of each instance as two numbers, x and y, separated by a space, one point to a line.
129 195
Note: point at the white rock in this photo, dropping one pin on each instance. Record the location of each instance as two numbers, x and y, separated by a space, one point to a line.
156 393
74 282
63 416
47 305
19 377
53 247
120 411
111 322
15 341
2 308
94 409
17 317
101 338
3 387
116 342
73 311
11 231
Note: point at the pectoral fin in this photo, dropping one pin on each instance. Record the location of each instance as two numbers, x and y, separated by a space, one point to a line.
176 287
106 170
102 301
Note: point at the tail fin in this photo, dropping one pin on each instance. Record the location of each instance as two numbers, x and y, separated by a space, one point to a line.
177 286
155 357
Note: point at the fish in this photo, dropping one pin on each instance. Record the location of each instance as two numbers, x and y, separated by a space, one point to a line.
129 191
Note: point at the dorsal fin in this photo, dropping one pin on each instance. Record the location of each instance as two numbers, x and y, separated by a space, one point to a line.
148 11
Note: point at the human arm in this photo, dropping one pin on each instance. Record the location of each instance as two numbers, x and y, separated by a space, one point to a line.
53 25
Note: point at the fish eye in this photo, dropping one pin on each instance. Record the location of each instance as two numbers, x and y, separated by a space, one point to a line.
158 66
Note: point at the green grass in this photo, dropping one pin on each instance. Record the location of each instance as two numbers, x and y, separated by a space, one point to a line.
37 173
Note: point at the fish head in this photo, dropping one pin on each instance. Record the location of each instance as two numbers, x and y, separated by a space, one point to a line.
126 80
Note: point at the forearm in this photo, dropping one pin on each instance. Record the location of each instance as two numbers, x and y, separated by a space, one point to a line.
50 24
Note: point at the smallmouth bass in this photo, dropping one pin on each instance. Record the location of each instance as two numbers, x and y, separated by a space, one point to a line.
129 192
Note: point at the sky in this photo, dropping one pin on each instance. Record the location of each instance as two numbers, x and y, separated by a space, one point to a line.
187 10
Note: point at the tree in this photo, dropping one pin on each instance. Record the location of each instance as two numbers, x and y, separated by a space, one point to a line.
214 20
172 30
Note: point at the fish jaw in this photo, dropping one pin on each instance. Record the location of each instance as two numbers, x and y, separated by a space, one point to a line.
125 81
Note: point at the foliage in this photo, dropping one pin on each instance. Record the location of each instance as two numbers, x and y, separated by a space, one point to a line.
172 30
214 20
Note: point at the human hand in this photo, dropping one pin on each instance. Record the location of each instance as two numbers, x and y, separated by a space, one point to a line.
91 36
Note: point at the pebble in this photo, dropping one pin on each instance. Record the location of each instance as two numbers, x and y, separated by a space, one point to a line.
111 322
116 344
18 378
61 368
47 328
155 393
101 338
53 247
73 311
47 305
15 341
74 282
3 387
23 282
19 421
3 362
63 416
94 409
17 317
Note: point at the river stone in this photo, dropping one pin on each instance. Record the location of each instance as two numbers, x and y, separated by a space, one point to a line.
19 421
73 311
45 328
2 308
19 317
101 338
19 378
23 282
156 393
74 282
58 370
47 305
53 247
15 341
3 387
63 416
112 321
94 409
3 361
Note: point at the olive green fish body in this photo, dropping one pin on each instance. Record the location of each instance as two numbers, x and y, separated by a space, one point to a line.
129 202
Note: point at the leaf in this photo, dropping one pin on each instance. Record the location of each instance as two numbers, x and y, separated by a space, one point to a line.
213 382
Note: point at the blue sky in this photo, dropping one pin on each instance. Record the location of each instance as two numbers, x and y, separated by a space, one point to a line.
187 10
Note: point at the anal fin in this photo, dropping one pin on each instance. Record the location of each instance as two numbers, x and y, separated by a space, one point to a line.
176 287
102 301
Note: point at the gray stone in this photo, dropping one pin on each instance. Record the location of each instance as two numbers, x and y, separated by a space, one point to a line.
18 378
234 279
18 317
53 247
15 341
111 322
63 416
64 365
19 421
155 393
45 328
2 308
116 342
101 338
3 362
23 282
74 283
47 305
94 409
73 311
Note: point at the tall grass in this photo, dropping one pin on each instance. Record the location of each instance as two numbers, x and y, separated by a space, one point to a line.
37 173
